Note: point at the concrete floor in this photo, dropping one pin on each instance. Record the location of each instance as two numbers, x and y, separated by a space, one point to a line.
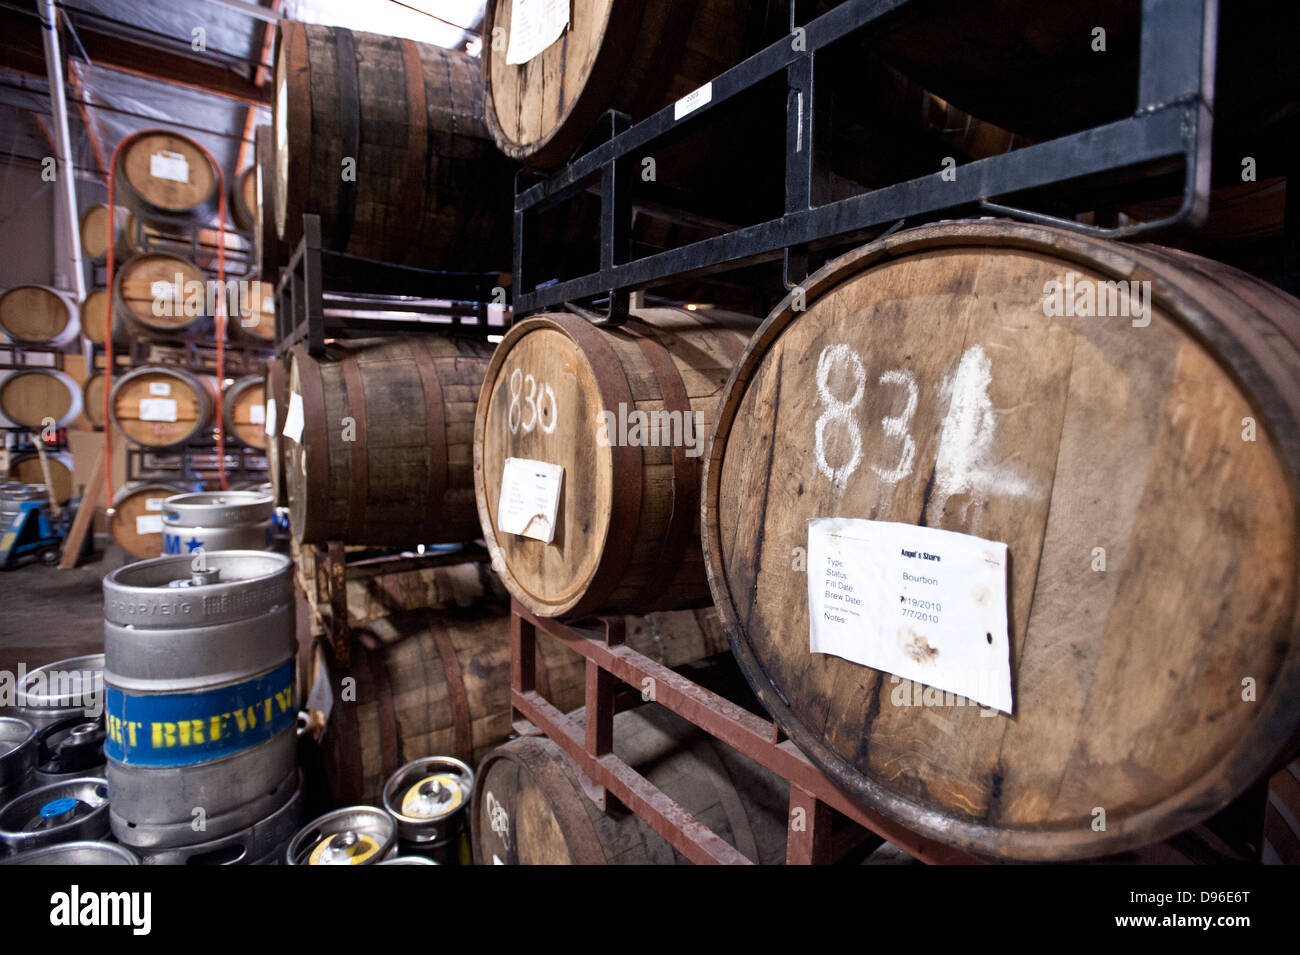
47 614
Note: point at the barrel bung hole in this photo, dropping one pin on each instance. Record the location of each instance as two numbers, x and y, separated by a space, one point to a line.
989 637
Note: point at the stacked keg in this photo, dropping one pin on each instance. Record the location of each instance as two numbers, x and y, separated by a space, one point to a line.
201 707
424 821
226 520
13 495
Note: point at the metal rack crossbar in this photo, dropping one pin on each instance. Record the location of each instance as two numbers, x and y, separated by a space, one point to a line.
590 747
1173 121
321 292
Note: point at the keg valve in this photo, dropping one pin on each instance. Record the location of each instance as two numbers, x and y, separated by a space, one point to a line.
200 578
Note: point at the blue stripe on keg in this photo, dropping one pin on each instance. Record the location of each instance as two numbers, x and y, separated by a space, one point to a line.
181 729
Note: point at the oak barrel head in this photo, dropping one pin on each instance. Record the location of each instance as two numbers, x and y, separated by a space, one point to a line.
624 413
1142 469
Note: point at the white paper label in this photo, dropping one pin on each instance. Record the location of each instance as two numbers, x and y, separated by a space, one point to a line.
293 419
160 388
157 409
169 165
257 414
534 25
693 101
148 524
530 497
270 416
154 503
926 604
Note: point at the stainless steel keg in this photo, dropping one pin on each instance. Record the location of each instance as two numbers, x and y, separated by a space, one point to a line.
262 843
428 799
200 696
76 853
62 690
68 811
17 756
358 835
13 495
215 521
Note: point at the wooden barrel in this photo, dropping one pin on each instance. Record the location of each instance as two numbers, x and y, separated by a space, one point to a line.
135 522
529 806
157 406
424 187
92 399
167 176
437 683
243 199
378 441
38 315
275 389
633 57
625 413
1141 469
243 412
269 253
96 222
96 312
32 397
155 294
26 467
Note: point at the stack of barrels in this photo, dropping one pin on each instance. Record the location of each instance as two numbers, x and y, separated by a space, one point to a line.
37 397
169 187
666 470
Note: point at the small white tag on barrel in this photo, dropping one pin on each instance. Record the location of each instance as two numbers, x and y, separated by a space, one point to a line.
157 409
169 165
925 604
293 420
530 498
534 25
257 414
148 524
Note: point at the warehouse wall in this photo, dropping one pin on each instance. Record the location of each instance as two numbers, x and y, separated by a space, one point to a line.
26 226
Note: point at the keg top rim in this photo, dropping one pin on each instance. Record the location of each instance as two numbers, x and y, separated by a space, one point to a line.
15 733
412 773
155 575
92 664
206 499
364 819
103 853
91 790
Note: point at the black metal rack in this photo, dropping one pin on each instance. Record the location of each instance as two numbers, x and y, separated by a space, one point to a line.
325 294
1172 122
177 464
13 356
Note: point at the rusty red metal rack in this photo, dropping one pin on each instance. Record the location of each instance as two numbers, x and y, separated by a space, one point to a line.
813 797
